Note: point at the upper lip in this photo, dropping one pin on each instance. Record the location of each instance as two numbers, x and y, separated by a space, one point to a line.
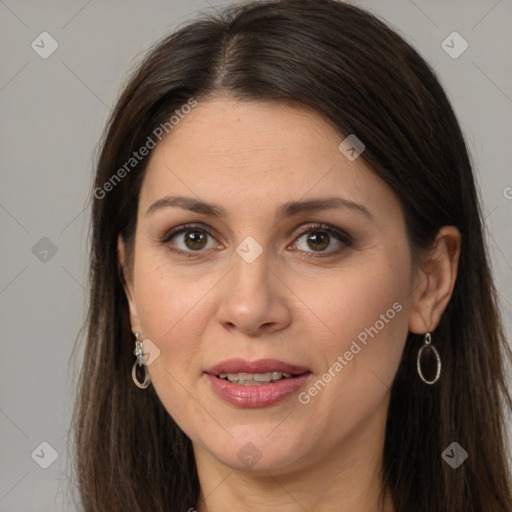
259 366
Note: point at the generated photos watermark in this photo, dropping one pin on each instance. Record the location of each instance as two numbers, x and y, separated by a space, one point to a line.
304 397
137 156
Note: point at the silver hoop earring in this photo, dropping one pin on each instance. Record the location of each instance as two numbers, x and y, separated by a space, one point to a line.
426 344
140 374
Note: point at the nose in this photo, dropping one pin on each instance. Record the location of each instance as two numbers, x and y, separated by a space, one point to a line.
255 299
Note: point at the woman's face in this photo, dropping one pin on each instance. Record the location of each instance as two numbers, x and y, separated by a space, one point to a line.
252 285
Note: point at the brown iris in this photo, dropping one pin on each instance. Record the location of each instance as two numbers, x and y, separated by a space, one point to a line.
195 239
319 238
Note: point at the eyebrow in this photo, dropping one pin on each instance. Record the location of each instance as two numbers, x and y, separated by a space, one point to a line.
286 210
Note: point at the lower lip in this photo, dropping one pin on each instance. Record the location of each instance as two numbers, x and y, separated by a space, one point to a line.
261 395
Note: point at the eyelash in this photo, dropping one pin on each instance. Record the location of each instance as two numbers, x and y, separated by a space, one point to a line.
342 236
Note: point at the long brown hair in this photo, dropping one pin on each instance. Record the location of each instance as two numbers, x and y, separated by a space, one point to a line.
350 67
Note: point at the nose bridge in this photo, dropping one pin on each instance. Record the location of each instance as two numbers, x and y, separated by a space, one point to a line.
251 279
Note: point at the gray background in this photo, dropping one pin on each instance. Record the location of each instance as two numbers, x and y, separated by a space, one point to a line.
53 111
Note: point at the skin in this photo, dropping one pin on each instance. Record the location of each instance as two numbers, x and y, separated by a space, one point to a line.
250 158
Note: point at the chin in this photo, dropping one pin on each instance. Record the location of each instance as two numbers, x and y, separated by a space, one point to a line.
257 453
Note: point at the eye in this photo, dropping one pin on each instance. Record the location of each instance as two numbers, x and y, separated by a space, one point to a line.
319 237
193 239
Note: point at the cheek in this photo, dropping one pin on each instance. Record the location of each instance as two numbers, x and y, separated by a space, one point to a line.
367 314
365 308
169 306
350 301
171 311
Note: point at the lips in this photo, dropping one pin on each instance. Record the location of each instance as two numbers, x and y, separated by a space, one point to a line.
260 366
260 394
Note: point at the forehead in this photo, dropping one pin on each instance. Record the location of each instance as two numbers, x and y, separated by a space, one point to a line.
249 155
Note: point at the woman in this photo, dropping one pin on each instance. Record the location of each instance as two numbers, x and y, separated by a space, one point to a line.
291 300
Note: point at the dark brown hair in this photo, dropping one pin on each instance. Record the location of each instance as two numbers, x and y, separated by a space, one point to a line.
363 77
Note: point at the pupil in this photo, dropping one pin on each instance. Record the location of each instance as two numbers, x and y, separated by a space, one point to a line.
318 238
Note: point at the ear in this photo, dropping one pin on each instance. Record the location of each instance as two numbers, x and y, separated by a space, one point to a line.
435 281
126 276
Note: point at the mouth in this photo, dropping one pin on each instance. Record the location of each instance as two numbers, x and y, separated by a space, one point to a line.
255 379
258 383
262 371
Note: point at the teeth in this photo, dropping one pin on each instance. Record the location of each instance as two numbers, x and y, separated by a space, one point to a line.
262 377
251 379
